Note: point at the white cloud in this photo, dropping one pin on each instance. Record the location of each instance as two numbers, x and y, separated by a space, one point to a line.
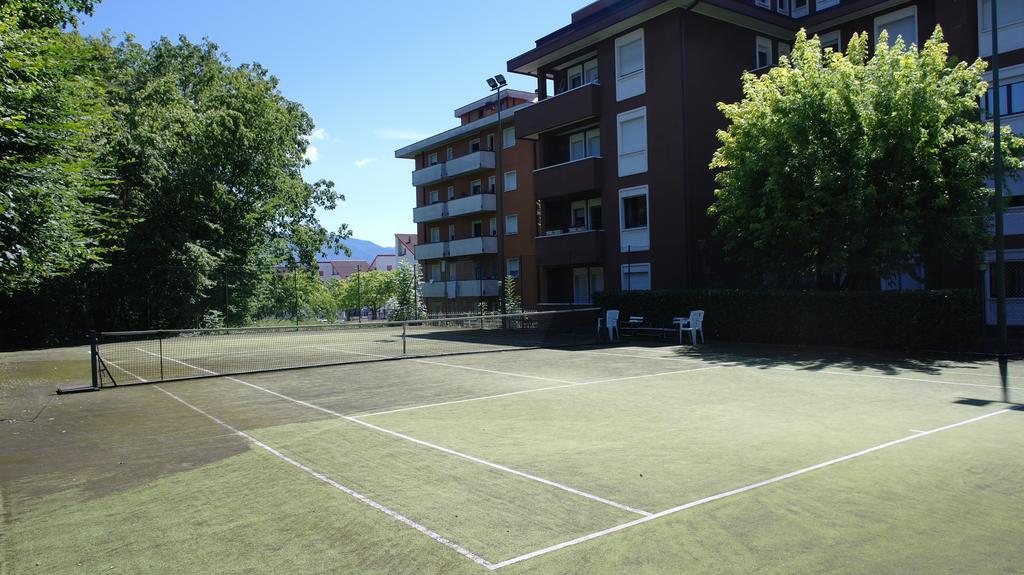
312 153
405 135
318 134
364 161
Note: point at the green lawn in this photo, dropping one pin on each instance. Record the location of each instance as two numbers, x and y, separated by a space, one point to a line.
548 461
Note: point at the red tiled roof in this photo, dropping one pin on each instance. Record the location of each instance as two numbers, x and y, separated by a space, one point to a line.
344 268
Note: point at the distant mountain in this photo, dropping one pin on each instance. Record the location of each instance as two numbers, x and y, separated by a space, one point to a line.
361 250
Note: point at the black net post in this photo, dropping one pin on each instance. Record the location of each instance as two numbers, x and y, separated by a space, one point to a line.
403 339
93 359
160 340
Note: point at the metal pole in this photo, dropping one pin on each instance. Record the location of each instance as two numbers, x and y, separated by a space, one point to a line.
295 295
359 295
500 189
93 351
1000 245
403 339
161 341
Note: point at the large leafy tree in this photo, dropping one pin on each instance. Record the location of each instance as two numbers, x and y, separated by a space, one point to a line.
56 216
840 168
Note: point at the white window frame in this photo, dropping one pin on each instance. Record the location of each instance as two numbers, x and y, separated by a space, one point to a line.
492 184
512 263
1011 34
829 38
474 141
825 4
801 12
639 155
510 176
511 224
629 269
433 197
451 232
490 142
762 44
476 184
505 135
882 20
766 4
449 153
783 7
432 159
633 83
492 226
451 192
636 239
435 235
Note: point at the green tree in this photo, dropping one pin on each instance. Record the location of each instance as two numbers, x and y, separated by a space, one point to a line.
56 214
844 168
513 303
406 292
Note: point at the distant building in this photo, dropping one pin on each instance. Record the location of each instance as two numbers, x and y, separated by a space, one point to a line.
342 269
384 262
405 248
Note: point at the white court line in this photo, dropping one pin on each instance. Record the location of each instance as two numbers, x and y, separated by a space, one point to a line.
364 499
459 454
737 491
125 370
834 372
522 391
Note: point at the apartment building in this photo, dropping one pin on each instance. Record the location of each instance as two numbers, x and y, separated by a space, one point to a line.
625 136
458 227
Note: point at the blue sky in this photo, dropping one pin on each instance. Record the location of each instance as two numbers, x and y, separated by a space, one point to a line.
374 75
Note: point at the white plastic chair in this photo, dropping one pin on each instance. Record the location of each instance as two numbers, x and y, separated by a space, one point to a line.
610 321
694 324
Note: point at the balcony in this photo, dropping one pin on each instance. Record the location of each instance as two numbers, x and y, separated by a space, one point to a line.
562 180
469 163
428 175
565 108
430 213
571 247
470 247
471 205
461 288
432 251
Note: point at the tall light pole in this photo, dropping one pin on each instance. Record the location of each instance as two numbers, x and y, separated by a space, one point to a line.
1000 270
497 83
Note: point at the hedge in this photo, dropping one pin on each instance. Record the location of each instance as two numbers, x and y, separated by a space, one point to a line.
948 319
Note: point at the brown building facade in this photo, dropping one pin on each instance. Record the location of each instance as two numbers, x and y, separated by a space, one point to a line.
460 232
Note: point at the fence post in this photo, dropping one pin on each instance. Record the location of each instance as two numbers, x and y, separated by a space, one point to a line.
403 339
93 351
161 340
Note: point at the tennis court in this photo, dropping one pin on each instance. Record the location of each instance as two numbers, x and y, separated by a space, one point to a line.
606 459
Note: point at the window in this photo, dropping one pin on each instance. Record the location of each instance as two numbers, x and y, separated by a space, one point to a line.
634 222
784 49
433 197
478 229
435 235
490 142
765 3
474 145
451 192
449 153
508 136
799 8
492 226
585 145
831 41
490 184
901 23
511 225
435 273
451 232
636 277
510 181
629 65
1011 26
783 7
581 74
764 52
474 187
632 141
432 159
585 215
822 4
512 267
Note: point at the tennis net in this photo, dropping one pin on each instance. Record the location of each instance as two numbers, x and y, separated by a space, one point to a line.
163 355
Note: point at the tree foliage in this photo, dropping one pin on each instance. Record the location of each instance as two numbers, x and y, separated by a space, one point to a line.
843 168
406 281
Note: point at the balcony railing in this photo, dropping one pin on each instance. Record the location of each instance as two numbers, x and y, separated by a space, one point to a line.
565 108
482 160
429 213
461 288
471 246
428 175
471 205
567 179
432 251
570 247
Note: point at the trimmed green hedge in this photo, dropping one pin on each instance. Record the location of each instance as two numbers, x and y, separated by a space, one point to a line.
948 319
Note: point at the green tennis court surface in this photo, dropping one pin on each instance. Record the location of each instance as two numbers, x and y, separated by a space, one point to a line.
617 459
